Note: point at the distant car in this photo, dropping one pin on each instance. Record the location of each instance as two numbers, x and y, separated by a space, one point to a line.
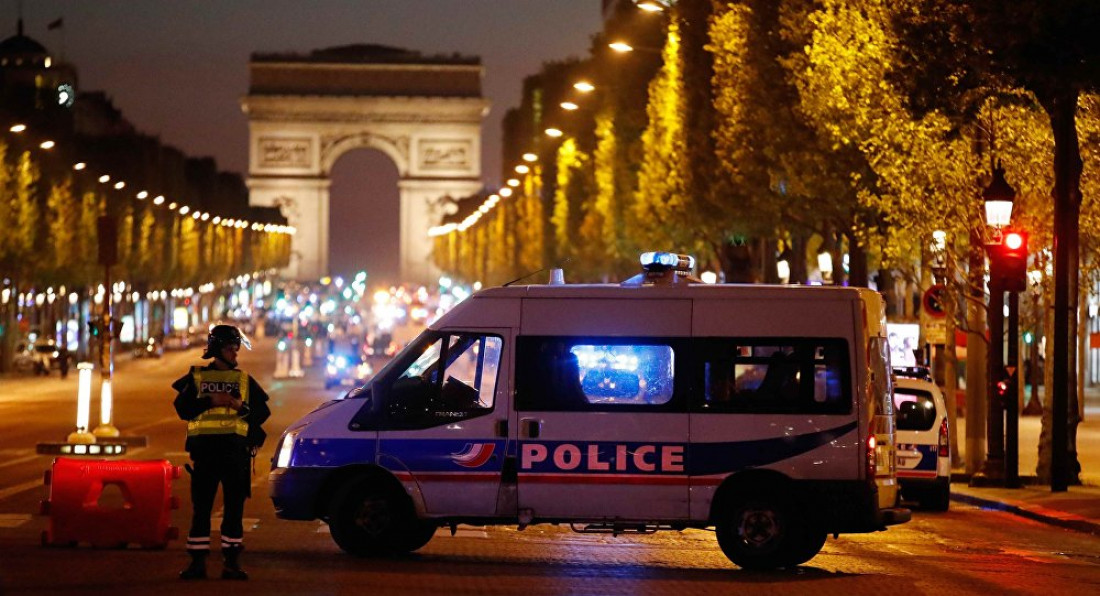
342 369
924 447
39 358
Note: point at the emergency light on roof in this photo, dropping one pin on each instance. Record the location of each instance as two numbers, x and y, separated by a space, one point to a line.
664 268
662 261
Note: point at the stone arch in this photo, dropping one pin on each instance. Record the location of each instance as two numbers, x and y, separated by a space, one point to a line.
396 149
305 111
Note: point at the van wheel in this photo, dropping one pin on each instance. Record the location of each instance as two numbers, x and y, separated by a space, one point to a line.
370 521
811 540
760 532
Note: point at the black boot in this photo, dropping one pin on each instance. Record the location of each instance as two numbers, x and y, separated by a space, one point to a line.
197 568
232 568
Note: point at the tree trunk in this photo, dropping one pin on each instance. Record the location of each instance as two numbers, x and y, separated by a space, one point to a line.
738 259
768 260
976 358
1082 349
799 271
857 265
1061 107
1042 471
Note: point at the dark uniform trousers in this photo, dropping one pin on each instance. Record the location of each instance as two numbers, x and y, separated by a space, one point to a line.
231 469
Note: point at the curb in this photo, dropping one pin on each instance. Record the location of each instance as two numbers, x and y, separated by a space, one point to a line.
1037 513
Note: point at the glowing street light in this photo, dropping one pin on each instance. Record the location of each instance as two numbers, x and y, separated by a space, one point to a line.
584 86
18 127
650 6
522 169
47 145
568 105
554 132
530 157
621 47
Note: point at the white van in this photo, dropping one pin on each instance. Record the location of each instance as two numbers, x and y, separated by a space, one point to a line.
762 411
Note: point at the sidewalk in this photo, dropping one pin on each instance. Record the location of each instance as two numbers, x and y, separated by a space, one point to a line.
1076 509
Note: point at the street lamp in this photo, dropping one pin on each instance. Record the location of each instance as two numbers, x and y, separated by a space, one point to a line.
999 197
1001 465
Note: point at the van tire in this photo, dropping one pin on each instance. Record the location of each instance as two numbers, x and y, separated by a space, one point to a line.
811 541
372 521
760 530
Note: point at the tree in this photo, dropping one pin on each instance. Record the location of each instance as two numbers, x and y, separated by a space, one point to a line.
1049 48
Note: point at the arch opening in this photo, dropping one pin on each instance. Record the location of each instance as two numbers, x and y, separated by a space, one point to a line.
364 217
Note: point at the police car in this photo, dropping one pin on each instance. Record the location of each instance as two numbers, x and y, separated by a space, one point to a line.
656 404
924 447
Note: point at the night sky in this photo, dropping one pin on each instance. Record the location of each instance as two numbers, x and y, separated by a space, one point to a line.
178 68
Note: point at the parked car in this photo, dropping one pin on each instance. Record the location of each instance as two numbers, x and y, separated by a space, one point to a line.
924 447
38 358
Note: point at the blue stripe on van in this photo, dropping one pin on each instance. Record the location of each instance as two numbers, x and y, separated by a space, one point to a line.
476 455
333 452
718 458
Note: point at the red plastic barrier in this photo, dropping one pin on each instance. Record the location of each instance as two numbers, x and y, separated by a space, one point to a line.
110 503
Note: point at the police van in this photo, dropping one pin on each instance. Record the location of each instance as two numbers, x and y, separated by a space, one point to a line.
763 412
924 447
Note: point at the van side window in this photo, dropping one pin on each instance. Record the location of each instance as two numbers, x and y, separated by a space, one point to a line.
452 377
555 374
775 375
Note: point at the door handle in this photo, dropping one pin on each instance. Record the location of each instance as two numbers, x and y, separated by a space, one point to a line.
532 427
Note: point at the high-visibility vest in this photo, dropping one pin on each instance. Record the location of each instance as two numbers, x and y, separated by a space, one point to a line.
219 420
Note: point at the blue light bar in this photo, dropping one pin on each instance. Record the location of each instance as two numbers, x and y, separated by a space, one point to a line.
658 261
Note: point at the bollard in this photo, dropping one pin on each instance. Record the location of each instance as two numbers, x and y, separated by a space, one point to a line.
282 359
295 361
110 503
106 407
83 405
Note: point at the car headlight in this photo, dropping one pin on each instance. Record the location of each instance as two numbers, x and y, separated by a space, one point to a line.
330 369
286 450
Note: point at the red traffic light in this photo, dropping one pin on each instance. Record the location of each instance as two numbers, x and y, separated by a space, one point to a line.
1008 261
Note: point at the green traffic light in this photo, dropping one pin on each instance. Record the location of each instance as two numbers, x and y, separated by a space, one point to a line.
1028 337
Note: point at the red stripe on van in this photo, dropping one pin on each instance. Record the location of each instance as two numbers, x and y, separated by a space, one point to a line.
603 479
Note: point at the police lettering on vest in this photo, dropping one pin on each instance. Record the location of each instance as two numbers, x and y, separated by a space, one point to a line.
219 420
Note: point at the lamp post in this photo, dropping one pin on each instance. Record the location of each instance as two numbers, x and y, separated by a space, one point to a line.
998 198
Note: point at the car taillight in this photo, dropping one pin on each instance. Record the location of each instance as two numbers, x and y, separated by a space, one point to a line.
871 468
944 442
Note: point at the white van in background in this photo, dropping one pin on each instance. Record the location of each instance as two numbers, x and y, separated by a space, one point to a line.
761 411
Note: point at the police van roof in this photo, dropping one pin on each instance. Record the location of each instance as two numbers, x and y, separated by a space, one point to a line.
464 313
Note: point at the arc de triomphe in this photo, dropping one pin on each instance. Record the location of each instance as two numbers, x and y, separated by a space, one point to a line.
305 111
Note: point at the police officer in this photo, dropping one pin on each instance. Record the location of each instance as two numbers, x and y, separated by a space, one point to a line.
224 409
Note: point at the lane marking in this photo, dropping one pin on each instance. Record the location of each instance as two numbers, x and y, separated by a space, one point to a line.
14 490
148 425
13 520
19 460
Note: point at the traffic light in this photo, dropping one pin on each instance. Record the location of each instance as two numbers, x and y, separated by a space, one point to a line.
1008 261
93 329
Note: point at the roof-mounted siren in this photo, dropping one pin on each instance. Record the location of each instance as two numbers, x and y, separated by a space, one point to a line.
664 269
